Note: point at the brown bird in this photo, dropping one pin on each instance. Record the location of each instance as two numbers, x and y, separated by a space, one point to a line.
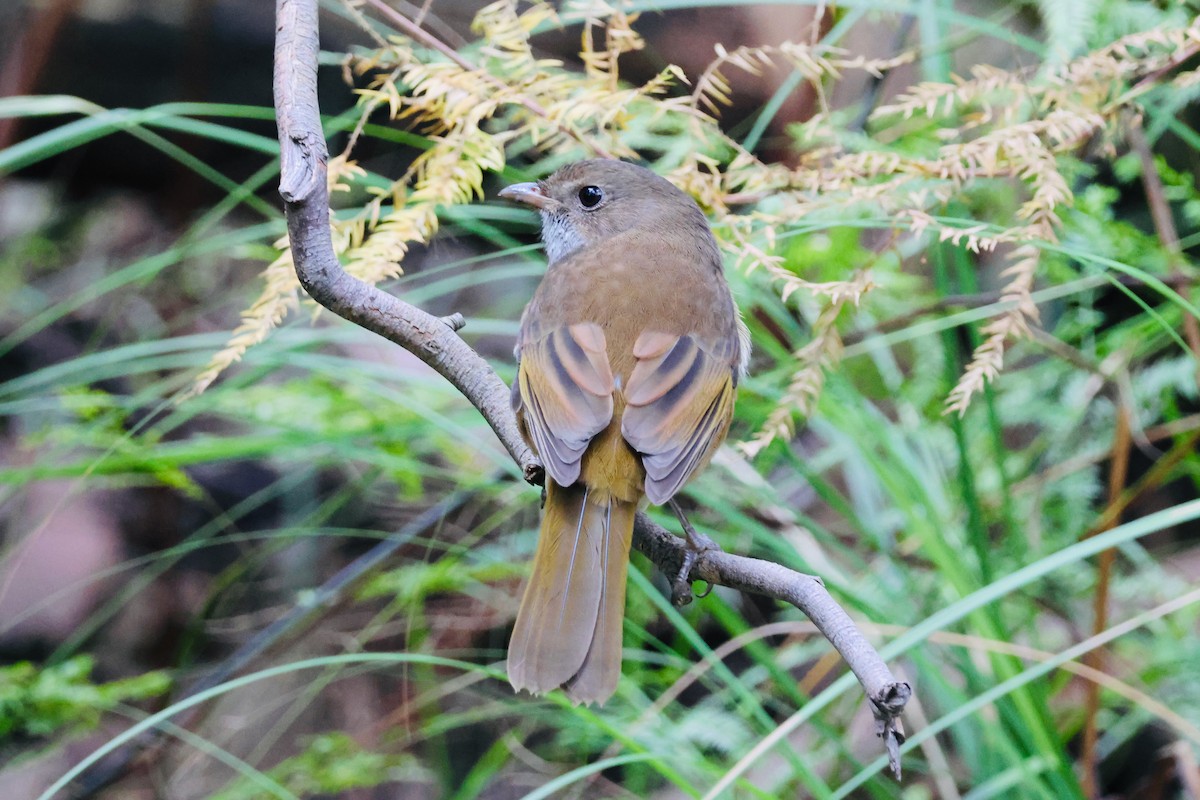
629 356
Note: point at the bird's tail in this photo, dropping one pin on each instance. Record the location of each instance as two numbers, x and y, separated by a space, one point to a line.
569 626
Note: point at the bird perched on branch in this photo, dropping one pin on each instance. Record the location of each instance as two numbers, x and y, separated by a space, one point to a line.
629 357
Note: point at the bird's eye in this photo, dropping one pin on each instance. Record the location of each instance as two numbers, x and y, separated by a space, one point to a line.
590 196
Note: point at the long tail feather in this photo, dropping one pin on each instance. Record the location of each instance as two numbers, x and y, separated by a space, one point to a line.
568 629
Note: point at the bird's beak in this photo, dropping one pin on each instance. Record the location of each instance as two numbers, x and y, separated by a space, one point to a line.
528 193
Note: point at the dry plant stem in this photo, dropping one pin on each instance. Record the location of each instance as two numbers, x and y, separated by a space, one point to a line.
1151 79
303 186
1153 478
1164 227
1168 430
1118 470
414 31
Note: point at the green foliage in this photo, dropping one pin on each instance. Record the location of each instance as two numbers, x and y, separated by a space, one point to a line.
329 764
61 698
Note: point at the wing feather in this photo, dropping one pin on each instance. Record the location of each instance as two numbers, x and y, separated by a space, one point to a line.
564 389
679 402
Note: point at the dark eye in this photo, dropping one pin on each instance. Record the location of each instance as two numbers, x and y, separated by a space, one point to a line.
590 196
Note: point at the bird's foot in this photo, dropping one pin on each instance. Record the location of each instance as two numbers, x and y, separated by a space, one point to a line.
697 545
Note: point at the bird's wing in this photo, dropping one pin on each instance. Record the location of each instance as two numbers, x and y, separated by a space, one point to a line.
564 389
679 400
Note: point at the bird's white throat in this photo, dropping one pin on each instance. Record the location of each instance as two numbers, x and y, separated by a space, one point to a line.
560 236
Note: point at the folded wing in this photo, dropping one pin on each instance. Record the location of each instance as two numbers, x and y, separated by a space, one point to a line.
565 387
679 400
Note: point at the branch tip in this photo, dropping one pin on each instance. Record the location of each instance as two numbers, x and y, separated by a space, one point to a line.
886 706
455 322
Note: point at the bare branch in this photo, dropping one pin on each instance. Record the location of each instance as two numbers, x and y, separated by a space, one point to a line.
888 696
433 340
303 184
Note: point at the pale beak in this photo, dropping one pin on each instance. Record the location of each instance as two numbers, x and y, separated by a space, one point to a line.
528 193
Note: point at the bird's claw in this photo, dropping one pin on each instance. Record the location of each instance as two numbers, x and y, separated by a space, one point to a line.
681 588
697 545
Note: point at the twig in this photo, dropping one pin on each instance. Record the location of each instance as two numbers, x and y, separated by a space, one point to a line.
1151 79
887 695
1184 447
422 12
1168 430
414 31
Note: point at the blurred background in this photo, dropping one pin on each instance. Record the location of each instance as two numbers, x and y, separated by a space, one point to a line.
149 535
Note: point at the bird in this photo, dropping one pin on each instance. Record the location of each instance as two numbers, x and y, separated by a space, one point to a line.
628 359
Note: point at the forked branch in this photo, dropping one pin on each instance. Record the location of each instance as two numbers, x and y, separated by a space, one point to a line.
435 341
